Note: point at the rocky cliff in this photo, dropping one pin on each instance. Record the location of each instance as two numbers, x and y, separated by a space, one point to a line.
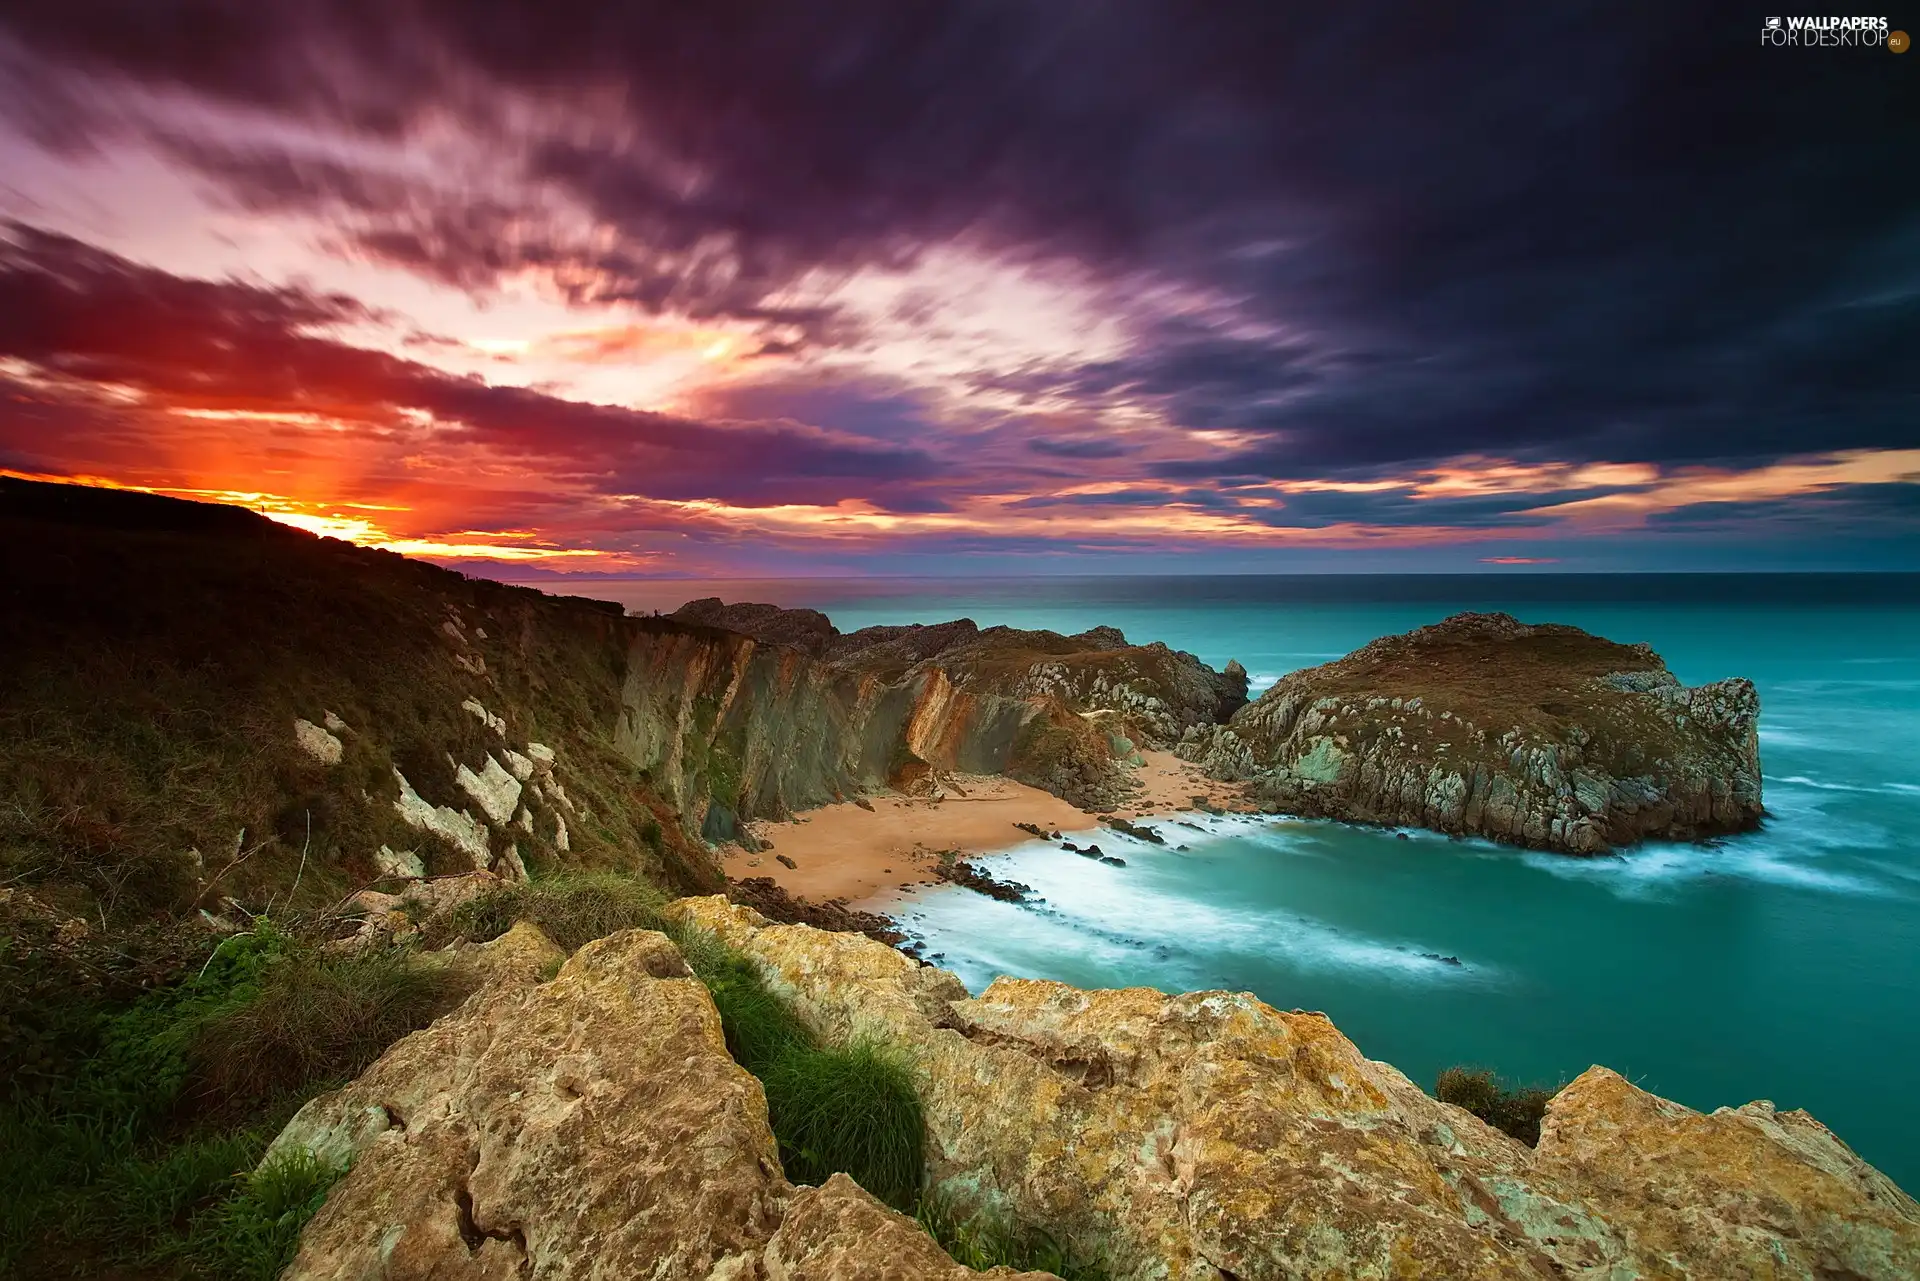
747 711
201 706
594 1126
1542 736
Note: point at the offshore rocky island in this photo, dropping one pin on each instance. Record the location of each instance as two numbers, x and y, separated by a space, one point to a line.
245 765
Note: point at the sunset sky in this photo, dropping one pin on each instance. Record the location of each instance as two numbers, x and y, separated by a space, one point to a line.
754 289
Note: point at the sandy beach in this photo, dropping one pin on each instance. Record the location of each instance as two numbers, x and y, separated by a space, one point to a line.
846 851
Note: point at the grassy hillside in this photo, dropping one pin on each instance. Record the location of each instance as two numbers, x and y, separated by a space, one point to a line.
155 654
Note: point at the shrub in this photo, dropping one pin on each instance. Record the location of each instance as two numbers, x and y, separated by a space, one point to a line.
1516 1110
572 909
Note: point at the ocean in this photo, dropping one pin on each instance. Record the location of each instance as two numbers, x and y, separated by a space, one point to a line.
1782 964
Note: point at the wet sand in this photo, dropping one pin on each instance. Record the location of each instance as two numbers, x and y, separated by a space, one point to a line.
847 852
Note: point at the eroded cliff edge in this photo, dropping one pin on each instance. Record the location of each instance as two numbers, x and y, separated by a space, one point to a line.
751 711
594 1125
1537 735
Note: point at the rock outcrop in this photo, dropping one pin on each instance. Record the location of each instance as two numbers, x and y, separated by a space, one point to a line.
750 711
1542 736
1211 1136
592 1126
595 1126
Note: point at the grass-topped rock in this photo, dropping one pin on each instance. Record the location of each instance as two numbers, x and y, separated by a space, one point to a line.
1543 736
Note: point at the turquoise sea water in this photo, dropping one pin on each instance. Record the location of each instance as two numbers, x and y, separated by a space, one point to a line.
1783 964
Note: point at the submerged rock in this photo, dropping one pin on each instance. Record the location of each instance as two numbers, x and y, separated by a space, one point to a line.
1542 736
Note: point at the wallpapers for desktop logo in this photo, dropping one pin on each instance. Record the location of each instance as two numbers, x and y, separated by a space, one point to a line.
1832 32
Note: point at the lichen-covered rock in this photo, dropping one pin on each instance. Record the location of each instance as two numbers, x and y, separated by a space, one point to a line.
1542 736
592 1126
419 905
399 864
456 827
1740 1192
317 742
1210 1136
494 789
836 1232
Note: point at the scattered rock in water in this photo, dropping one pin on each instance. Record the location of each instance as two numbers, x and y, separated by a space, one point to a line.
957 871
1179 849
1444 960
1401 836
784 861
1111 861
1138 831
1032 829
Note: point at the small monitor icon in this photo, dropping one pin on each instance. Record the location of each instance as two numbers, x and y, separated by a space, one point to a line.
1773 24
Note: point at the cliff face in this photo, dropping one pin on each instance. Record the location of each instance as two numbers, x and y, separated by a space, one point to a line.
595 1126
750 711
200 706
1542 736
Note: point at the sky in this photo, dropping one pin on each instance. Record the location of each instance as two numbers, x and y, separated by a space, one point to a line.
857 286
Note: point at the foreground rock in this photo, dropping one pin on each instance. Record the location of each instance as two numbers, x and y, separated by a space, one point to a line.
591 1126
1542 736
1211 1136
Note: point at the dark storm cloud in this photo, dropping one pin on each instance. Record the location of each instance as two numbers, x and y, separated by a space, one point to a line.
1621 232
1076 448
1324 509
1856 509
110 338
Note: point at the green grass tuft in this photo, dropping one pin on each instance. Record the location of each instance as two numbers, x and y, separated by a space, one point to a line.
1515 1110
760 1025
852 1109
983 1240
254 1233
572 909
